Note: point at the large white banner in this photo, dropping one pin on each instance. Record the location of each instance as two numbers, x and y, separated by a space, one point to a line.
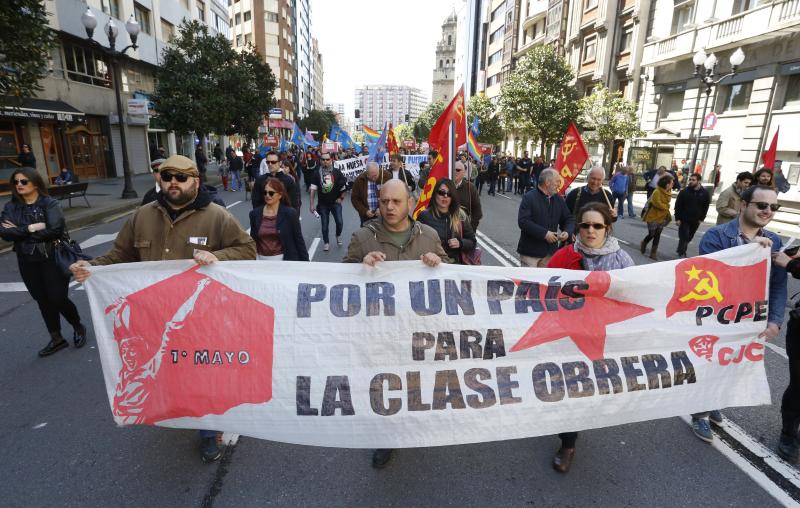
351 168
403 355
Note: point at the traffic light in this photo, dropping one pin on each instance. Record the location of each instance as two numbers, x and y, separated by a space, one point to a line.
407 118
358 114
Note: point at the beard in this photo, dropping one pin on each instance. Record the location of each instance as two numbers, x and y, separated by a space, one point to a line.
182 197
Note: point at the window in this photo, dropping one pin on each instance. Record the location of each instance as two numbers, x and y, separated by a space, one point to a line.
589 49
87 66
493 80
238 40
554 15
736 97
740 6
793 91
671 106
449 40
626 39
497 35
793 173
142 16
495 57
681 16
110 7
247 16
272 16
248 39
589 4
237 18
440 64
201 11
499 11
167 30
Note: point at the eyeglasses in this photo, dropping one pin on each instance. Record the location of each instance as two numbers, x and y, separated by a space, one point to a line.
270 193
761 205
443 193
22 181
167 177
325 158
273 162
458 170
593 225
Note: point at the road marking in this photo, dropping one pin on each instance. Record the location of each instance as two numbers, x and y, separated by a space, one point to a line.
39 426
514 261
779 350
233 204
762 465
504 196
313 249
229 438
98 240
495 255
12 287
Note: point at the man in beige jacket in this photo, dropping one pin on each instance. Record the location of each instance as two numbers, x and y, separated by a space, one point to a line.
729 200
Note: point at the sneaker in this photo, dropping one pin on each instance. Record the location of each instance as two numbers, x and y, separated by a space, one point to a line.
788 449
339 241
702 429
381 457
326 247
209 449
715 416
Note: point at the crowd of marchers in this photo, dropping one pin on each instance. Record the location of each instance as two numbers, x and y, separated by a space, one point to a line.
183 218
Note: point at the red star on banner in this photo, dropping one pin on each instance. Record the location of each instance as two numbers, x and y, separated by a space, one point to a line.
586 326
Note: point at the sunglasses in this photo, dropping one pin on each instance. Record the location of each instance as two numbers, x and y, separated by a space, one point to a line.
273 162
22 181
761 205
325 158
443 193
593 225
270 193
167 177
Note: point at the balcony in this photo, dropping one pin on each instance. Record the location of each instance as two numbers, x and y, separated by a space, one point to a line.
770 21
538 10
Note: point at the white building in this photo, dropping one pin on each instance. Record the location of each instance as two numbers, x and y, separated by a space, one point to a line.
469 44
319 76
763 95
397 104
305 58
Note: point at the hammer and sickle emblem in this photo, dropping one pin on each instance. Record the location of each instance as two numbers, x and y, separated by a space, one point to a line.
567 147
460 107
706 289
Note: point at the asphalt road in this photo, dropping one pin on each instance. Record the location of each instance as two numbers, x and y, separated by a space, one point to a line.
62 448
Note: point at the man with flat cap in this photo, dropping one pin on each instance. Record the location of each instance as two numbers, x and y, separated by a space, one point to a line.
182 223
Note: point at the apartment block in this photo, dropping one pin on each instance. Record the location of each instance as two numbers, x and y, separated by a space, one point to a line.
379 104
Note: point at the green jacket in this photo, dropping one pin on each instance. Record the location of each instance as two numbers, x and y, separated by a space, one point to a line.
373 237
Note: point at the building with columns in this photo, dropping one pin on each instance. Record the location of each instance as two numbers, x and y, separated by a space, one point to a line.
749 106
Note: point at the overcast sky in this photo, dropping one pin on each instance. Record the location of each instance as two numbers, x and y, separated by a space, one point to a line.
376 42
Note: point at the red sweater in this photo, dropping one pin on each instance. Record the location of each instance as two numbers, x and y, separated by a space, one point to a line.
566 257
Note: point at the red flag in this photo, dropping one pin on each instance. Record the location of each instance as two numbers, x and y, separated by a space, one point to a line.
391 141
708 282
571 157
768 157
449 131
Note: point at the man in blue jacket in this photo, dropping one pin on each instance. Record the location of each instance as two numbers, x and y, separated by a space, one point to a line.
759 204
544 220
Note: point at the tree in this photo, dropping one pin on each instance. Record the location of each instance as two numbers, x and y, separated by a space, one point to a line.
198 67
318 120
423 124
489 122
25 44
538 101
403 131
608 116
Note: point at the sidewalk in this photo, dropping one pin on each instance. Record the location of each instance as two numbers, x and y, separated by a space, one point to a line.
104 196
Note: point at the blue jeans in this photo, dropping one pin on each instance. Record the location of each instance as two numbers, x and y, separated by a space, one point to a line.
631 212
619 199
336 210
235 181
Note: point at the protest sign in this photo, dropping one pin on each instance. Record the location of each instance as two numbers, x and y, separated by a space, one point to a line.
403 355
351 168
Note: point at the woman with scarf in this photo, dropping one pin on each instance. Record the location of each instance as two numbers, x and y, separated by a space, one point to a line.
444 214
657 215
594 250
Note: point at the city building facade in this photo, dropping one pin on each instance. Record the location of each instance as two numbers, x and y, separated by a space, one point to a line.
304 99
445 61
748 107
319 77
72 122
380 104
470 41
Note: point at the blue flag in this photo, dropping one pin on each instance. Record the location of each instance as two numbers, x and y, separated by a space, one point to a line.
284 146
475 128
377 150
336 133
297 137
357 148
310 141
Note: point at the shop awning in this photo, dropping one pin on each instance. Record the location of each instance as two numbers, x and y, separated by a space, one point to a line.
281 124
42 109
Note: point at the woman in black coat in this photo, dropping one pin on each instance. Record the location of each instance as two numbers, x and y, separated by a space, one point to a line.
444 214
275 227
33 221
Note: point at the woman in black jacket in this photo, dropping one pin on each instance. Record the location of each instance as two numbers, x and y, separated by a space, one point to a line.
444 214
33 221
275 227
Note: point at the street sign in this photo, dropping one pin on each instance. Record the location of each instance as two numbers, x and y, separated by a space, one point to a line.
276 113
137 106
710 121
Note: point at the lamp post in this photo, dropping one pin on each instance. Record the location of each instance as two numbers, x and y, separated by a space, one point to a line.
111 30
704 66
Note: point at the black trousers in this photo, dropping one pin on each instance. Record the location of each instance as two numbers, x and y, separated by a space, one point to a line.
50 288
686 232
790 406
568 439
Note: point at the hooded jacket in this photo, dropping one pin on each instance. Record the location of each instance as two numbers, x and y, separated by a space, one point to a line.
373 237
